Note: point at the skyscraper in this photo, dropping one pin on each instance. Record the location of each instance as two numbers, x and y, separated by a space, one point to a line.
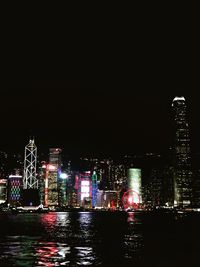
53 172
182 160
30 180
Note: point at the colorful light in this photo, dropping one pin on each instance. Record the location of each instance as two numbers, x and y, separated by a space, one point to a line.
131 199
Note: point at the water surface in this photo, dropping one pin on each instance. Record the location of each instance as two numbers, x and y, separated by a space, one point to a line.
99 239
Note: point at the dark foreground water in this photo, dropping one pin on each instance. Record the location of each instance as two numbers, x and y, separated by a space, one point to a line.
99 239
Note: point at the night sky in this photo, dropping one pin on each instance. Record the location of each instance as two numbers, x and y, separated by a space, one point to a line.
84 118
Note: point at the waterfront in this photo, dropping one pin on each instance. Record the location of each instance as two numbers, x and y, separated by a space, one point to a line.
99 239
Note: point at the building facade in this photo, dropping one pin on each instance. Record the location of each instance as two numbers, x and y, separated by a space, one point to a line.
53 175
3 190
15 186
182 159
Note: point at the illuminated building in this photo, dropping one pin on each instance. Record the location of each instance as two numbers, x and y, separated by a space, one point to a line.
62 189
70 191
119 176
14 190
103 169
53 172
41 185
135 183
3 163
3 190
110 199
30 180
182 161
85 189
99 203
196 180
94 189
159 189
46 170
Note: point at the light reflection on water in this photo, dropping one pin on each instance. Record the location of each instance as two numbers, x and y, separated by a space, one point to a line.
133 238
71 239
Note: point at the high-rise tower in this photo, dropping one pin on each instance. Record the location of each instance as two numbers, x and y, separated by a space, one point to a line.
53 172
30 180
182 162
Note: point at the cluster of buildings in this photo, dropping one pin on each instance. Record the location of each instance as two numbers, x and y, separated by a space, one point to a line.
149 180
55 187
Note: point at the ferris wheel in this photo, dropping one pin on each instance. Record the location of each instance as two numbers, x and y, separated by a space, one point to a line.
131 200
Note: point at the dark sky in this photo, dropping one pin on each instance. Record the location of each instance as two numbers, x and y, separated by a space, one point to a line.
81 118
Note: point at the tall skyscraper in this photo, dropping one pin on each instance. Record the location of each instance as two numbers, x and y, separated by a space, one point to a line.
182 160
30 180
53 172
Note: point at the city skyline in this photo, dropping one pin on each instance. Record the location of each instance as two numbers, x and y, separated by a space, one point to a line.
88 121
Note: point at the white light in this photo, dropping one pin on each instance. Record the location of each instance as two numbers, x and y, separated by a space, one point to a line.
3 181
130 200
85 189
85 183
177 98
83 195
63 175
15 176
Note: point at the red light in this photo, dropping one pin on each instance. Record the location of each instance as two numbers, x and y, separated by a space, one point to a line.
131 199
